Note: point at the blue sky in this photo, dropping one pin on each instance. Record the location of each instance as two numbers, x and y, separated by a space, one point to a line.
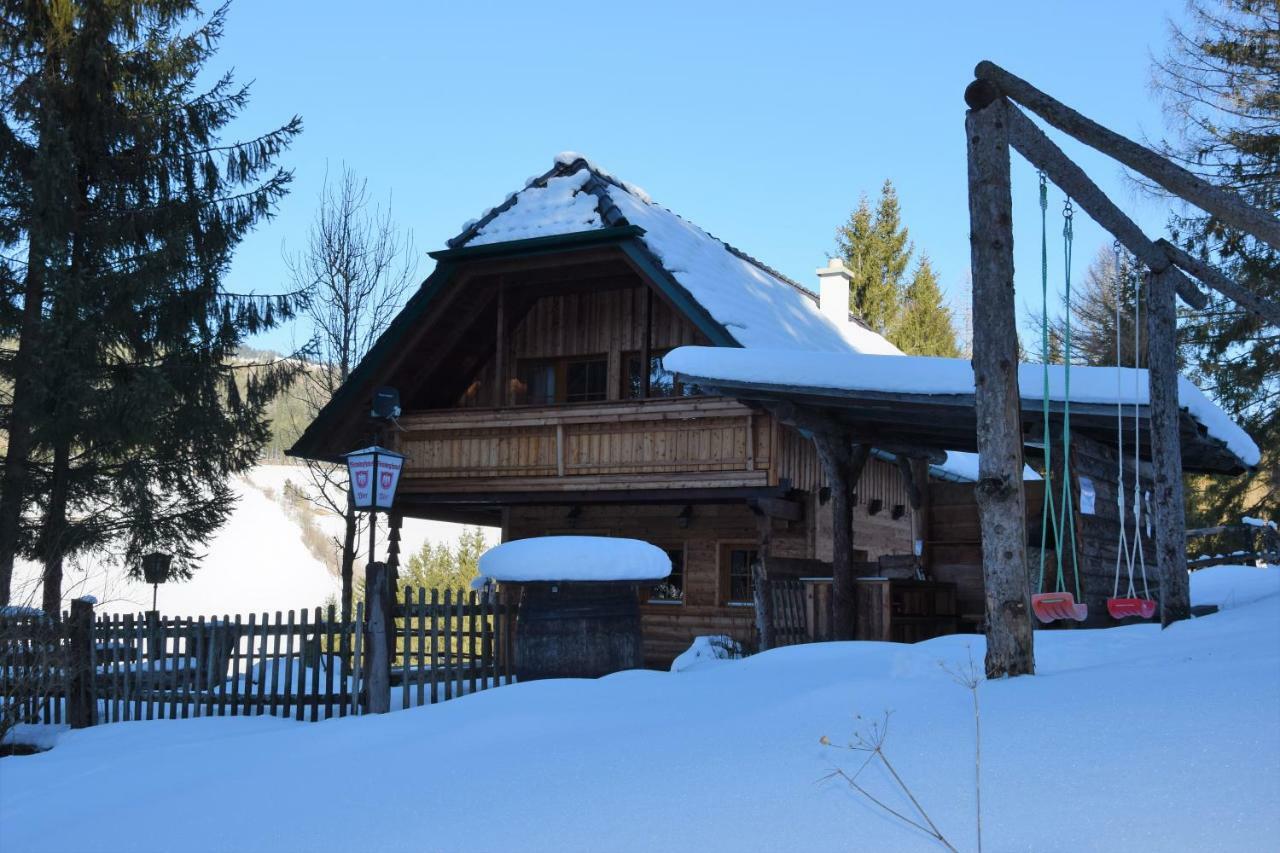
761 122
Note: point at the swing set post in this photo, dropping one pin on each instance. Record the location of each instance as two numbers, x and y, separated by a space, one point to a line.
999 491
1168 510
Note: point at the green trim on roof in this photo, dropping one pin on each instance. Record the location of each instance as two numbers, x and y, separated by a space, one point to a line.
539 245
651 267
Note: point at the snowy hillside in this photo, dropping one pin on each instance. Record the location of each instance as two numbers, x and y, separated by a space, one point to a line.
1129 738
260 561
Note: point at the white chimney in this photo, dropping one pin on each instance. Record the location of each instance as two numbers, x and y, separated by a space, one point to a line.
833 292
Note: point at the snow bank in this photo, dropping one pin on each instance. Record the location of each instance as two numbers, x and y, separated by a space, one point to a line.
706 649
1233 586
944 376
575 558
1157 740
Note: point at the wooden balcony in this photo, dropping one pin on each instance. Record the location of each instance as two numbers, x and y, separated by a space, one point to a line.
695 442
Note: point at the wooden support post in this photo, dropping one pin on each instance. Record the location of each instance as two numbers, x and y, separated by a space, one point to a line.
1222 203
843 463
646 342
760 591
500 350
999 490
920 512
82 694
1169 514
377 633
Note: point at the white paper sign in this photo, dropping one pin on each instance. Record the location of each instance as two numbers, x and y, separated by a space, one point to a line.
1088 497
361 473
388 476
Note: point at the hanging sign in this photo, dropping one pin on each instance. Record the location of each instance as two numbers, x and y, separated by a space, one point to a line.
1088 497
374 473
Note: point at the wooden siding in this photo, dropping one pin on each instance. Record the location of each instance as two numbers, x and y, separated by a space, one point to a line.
669 442
873 535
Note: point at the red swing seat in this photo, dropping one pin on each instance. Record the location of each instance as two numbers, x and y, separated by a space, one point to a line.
1123 608
1052 606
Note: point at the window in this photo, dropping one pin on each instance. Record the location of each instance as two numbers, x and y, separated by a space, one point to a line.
546 382
537 383
661 381
671 589
735 572
586 381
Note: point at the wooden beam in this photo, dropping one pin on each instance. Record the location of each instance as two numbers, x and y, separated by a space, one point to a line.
500 349
999 490
779 508
909 481
1225 205
645 342
843 463
920 514
1029 141
1242 296
1169 516
760 591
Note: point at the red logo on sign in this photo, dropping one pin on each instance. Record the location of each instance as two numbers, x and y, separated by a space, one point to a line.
385 477
362 479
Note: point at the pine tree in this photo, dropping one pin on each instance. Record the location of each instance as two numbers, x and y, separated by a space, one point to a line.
923 326
877 250
126 420
1220 79
1113 276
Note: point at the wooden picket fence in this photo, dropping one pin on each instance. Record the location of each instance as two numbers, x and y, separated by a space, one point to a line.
450 644
306 664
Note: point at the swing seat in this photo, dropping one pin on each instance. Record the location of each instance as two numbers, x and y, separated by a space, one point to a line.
1123 608
1052 606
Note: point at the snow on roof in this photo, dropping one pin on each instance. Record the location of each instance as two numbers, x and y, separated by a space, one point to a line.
758 306
943 376
963 466
575 558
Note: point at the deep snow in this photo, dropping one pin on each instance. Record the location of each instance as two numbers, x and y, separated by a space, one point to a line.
1128 739
575 558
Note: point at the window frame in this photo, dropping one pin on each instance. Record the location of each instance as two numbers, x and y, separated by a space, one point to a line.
671 545
560 373
724 560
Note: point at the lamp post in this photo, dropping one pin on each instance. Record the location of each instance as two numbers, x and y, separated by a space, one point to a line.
155 570
373 474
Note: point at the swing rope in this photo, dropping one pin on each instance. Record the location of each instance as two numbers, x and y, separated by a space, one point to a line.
1063 518
1131 553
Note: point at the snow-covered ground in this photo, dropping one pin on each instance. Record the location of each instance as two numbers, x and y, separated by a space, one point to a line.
1130 738
258 562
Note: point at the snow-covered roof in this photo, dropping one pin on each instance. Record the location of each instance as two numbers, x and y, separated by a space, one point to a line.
929 376
575 558
756 305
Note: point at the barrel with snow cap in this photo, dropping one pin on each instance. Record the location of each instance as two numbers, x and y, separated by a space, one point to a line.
579 602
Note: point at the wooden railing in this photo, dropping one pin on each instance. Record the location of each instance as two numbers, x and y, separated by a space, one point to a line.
719 441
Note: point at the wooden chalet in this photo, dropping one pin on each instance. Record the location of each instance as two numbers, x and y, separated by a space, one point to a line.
536 399
530 369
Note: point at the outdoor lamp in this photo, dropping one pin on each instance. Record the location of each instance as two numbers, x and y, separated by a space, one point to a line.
373 473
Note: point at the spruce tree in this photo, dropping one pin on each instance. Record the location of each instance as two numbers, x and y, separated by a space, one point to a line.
126 421
923 326
877 250
1220 81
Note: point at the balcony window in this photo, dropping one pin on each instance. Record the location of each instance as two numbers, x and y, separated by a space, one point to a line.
546 382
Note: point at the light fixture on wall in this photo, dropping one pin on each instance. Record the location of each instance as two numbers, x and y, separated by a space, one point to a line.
898 511
874 507
574 512
685 516
824 495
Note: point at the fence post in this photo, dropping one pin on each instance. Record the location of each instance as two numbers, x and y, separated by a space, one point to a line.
377 656
82 705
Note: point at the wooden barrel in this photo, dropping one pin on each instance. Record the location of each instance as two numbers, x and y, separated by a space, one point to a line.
577 629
